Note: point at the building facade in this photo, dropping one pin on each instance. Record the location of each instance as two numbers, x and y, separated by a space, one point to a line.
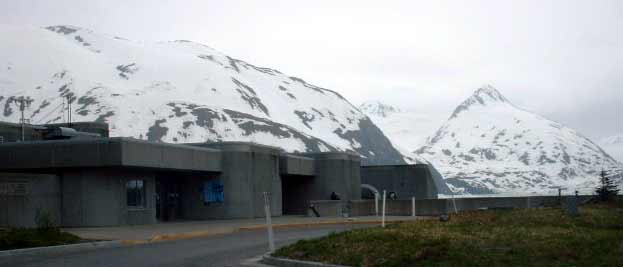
80 177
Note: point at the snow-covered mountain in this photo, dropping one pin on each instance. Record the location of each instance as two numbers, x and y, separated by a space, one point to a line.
176 91
407 129
489 145
614 146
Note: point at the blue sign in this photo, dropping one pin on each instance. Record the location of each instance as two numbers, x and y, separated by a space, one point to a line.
213 192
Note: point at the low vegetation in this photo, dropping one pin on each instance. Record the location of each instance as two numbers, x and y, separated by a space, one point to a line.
527 237
47 233
27 238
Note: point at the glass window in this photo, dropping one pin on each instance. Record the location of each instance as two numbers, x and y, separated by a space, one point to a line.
213 192
135 191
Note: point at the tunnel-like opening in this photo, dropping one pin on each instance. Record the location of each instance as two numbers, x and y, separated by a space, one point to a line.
368 191
295 190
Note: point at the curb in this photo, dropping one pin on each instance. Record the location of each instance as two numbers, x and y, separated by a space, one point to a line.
61 248
263 226
283 262
187 235
168 237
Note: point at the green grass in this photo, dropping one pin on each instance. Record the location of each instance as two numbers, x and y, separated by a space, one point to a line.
527 237
16 238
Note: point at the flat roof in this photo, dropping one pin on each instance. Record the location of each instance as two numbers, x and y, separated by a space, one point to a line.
107 152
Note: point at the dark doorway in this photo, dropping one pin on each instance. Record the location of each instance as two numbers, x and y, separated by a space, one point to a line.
168 199
295 194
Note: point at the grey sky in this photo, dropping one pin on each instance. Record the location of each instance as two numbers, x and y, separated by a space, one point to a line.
562 59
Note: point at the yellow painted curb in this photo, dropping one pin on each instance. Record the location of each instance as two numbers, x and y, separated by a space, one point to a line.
132 242
187 235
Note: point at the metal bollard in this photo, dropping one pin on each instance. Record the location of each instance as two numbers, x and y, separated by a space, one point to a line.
412 206
269 223
383 218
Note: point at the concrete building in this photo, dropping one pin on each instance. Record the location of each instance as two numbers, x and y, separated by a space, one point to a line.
399 181
79 176
82 180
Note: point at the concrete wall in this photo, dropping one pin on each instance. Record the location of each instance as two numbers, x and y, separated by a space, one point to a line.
193 205
23 196
335 172
97 197
247 171
406 181
12 132
435 207
296 165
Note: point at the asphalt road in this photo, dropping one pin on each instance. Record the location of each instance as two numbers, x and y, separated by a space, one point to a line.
219 250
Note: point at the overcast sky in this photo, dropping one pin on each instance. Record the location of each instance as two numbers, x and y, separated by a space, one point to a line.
561 59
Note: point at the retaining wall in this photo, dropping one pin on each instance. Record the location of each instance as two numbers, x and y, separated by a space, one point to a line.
435 207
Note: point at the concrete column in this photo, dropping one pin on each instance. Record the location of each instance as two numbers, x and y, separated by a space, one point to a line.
248 170
336 172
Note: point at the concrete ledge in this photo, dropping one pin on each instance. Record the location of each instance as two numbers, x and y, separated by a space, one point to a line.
332 156
61 249
236 146
283 262
106 152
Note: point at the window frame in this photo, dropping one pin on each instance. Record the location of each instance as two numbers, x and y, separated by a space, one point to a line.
138 194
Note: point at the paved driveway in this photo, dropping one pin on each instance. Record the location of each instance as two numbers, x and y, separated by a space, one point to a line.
218 250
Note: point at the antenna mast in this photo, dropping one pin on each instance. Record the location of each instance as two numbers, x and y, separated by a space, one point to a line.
21 101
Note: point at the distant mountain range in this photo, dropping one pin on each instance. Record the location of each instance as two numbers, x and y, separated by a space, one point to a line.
489 145
178 92
407 129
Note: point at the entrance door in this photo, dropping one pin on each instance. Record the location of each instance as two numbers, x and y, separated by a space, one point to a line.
295 194
168 204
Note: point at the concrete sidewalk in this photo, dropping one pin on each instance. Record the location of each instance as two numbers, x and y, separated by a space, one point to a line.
191 229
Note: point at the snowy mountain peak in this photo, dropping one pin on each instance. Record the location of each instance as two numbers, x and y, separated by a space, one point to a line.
484 96
489 145
488 93
378 109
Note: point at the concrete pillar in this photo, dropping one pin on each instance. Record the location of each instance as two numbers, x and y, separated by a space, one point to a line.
248 170
336 172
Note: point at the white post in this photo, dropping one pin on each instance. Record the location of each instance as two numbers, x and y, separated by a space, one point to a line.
412 206
269 223
383 214
454 204
376 203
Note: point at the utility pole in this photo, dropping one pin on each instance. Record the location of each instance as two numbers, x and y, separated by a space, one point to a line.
69 111
21 108
21 102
